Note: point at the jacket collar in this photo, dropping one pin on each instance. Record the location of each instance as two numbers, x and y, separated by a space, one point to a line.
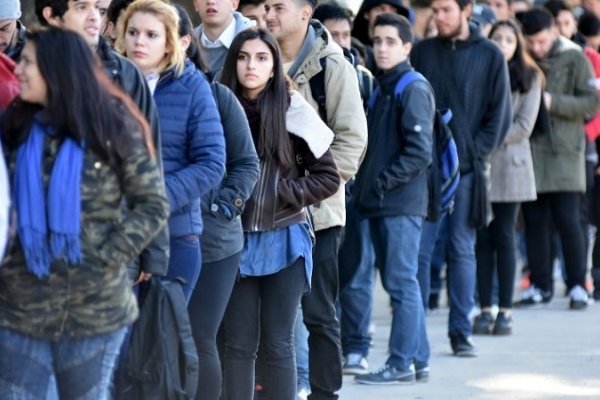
387 81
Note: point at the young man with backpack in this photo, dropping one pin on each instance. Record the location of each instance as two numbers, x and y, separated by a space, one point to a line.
391 190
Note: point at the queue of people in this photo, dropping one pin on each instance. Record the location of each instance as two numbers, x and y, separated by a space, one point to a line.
273 160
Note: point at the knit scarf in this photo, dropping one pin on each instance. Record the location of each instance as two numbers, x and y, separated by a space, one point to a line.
48 224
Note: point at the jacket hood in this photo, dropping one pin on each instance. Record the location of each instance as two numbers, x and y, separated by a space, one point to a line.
360 29
303 121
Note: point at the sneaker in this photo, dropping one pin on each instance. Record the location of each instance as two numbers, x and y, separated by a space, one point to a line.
462 346
303 394
355 364
422 374
579 298
503 324
388 375
597 292
533 296
483 324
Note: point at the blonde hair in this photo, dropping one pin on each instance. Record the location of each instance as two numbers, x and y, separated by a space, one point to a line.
166 13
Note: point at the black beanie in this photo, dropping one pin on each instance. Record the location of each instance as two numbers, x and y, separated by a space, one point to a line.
589 24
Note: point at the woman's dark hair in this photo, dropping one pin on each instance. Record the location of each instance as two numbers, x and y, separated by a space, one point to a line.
193 51
273 101
82 102
521 67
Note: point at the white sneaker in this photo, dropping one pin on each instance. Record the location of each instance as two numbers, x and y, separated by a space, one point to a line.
355 364
303 394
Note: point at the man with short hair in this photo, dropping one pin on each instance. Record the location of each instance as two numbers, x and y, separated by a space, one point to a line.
469 76
362 28
391 192
83 18
558 159
254 10
307 49
220 24
12 31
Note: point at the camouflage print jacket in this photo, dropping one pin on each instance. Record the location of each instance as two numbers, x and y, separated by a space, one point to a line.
94 297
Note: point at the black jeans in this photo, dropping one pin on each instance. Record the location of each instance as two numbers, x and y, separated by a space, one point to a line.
262 308
206 309
495 251
561 208
324 342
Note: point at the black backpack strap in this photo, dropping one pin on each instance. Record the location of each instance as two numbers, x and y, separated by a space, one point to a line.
317 89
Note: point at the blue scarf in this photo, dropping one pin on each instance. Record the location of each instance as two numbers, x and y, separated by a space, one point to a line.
48 225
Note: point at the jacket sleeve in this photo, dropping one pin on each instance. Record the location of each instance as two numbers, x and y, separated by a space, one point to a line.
143 190
526 114
205 151
498 115
322 181
242 166
155 257
345 115
4 205
583 102
415 129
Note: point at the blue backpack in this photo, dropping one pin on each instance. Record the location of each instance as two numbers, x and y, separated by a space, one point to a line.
444 173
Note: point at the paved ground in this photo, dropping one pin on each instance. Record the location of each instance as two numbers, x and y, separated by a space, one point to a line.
553 354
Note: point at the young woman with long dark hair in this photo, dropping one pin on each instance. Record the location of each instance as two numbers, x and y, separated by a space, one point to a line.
77 150
512 181
297 170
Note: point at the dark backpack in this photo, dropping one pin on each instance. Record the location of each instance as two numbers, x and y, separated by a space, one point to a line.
444 171
162 362
317 84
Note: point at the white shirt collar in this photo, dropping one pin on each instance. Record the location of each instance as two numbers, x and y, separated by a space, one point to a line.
222 41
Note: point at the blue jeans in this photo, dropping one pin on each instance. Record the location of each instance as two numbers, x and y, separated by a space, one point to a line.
301 345
395 240
356 299
185 262
460 256
38 369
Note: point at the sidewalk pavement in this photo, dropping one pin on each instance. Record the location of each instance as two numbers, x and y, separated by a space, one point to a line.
553 354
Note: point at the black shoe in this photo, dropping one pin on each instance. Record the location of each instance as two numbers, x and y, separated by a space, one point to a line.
434 301
422 374
462 346
503 324
597 291
483 324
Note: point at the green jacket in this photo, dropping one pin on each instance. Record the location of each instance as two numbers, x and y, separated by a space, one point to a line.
570 81
94 297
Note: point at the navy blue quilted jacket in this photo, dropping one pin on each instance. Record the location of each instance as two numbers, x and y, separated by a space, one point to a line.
192 145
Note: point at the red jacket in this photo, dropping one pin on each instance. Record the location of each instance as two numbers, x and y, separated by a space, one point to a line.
592 127
9 85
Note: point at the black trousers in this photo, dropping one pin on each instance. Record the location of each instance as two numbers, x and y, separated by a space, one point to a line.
562 209
206 309
324 340
495 251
